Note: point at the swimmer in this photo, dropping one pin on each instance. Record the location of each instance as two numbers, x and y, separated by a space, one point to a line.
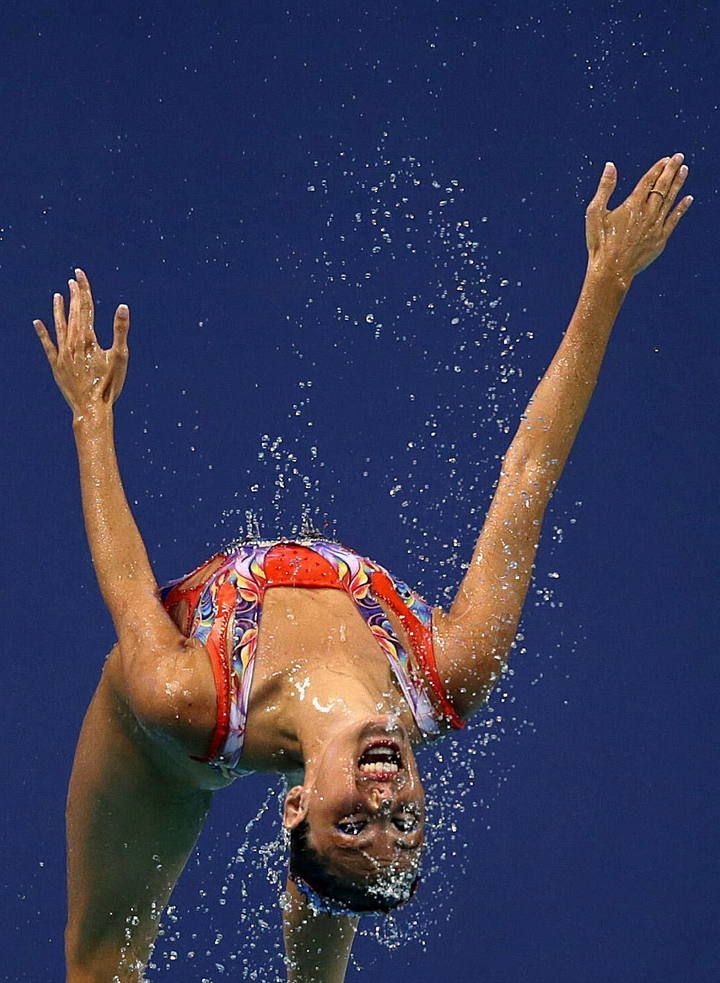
304 657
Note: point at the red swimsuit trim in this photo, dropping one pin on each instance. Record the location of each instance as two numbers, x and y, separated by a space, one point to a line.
422 642
292 565
298 566
216 646
221 666
191 595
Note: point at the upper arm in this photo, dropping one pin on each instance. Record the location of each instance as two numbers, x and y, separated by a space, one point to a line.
142 619
469 664
473 638
166 678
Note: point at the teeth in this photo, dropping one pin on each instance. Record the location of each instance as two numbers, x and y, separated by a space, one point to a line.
379 766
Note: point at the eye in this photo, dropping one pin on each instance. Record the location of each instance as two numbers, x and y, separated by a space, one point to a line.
351 827
406 822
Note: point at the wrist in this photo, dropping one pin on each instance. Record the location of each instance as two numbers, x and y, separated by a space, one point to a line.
608 277
92 416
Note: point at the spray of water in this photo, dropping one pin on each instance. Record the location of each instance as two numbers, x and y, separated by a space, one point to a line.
381 220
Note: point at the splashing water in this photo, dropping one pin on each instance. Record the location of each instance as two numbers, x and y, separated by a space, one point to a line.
376 219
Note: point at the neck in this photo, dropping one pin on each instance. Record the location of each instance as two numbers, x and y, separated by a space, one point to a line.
333 701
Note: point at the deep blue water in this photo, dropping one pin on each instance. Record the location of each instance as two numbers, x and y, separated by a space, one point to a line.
288 197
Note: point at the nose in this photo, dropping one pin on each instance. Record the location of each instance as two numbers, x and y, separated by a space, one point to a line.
381 797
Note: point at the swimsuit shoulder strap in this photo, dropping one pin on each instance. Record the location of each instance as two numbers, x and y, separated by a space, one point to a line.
366 581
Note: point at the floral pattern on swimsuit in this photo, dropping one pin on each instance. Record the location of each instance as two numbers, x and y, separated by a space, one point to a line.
224 610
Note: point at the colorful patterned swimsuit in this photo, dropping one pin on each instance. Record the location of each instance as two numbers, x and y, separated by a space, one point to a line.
223 611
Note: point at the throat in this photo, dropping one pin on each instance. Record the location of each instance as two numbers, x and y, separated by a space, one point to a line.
300 707
342 687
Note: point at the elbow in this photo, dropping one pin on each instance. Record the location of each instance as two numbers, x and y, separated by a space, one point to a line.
531 471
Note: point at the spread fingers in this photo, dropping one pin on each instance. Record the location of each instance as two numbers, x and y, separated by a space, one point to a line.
674 217
648 179
46 342
60 321
658 193
86 309
675 187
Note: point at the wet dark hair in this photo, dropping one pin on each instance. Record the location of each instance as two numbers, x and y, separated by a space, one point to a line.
313 868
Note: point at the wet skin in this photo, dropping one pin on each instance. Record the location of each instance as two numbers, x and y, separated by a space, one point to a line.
127 807
365 823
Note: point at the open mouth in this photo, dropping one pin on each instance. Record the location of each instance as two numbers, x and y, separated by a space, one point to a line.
381 759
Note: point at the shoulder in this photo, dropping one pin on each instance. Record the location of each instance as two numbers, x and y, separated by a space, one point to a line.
169 689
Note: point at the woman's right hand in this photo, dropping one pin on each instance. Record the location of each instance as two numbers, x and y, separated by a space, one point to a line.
87 375
626 239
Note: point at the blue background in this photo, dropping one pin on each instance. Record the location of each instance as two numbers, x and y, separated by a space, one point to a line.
207 164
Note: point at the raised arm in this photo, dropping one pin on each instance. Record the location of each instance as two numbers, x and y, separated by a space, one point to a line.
473 639
91 379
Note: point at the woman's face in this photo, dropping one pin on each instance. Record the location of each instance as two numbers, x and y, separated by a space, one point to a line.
366 804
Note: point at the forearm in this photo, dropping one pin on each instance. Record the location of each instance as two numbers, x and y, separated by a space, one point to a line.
317 945
505 551
118 552
558 405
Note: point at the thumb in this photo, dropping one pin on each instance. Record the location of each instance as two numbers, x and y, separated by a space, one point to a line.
606 186
121 326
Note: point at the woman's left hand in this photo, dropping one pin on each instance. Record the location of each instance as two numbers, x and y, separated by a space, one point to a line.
627 239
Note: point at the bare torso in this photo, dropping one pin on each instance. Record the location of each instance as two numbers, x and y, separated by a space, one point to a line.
131 825
301 630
